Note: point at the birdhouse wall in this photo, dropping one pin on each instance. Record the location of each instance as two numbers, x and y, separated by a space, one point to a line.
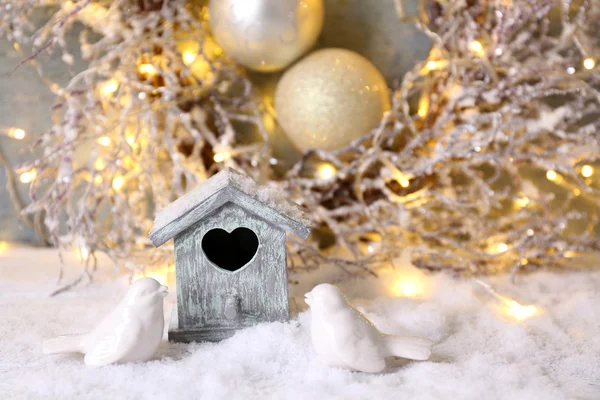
205 291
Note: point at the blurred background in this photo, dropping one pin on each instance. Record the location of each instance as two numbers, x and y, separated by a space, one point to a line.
416 124
369 28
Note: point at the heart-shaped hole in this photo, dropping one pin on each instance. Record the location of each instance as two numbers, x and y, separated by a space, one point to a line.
230 251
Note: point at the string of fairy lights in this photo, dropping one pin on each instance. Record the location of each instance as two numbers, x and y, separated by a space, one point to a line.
403 284
147 135
324 170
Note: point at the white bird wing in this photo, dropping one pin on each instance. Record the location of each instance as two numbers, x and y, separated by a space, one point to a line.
114 345
356 341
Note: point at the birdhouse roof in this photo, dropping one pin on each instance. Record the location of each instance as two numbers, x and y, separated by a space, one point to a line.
266 202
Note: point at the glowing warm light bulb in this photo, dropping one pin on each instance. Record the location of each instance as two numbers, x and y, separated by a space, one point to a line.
371 247
551 175
476 47
433 65
325 171
509 306
407 287
109 87
269 122
28 176
498 248
99 164
502 247
402 179
423 106
3 247
211 48
147 69
220 157
518 311
201 69
130 139
97 179
118 182
188 57
16 133
587 171
83 253
104 141
570 254
522 202
589 63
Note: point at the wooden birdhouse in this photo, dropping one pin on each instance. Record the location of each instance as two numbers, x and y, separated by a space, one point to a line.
230 255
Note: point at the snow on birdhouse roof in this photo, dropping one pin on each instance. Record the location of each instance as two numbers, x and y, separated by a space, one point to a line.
267 202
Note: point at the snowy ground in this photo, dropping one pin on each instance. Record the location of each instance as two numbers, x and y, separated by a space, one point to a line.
481 351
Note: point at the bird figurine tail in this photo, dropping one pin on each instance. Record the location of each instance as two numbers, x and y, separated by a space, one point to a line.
411 347
62 344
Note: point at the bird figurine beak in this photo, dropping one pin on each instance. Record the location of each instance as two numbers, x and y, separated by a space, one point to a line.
163 290
307 298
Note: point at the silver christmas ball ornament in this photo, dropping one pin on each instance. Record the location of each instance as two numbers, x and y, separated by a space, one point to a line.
266 35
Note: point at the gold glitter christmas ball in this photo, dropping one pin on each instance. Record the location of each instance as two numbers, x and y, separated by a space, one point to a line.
330 98
266 35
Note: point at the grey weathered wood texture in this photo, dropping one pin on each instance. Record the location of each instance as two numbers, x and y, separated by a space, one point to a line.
212 303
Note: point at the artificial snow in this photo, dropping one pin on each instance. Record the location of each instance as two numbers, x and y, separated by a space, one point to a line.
480 352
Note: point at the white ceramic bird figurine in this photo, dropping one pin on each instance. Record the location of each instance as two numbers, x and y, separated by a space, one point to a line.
130 333
343 337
